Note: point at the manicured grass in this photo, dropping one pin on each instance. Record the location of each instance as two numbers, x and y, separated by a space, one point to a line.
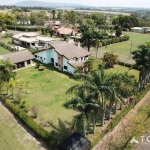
123 48
6 40
117 68
12 136
4 51
48 93
121 69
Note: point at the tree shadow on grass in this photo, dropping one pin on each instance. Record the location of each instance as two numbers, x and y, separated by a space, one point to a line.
61 131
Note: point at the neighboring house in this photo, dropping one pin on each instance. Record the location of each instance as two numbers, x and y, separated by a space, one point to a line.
65 56
21 59
75 142
62 31
136 29
32 40
145 30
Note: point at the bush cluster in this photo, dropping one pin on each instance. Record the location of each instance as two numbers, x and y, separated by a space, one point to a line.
29 121
5 45
115 40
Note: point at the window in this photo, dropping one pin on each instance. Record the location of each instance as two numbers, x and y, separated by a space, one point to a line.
56 64
36 56
41 57
44 58
65 67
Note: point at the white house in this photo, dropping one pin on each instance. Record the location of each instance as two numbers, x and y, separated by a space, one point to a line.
136 29
32 40
65 56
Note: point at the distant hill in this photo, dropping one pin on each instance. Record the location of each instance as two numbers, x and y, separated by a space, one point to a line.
47 4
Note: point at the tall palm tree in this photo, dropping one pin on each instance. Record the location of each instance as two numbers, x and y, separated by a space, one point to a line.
12 84
96 85
53 13
82 103
142 60
124 85
98 36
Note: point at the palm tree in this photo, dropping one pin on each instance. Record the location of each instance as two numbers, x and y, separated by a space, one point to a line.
12 84
95 84
80 103
53 12
124 85
142 60
98 36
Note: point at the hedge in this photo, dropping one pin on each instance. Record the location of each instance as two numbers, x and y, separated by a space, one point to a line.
128 65
123 113
5 45
115 40
34 126
23 28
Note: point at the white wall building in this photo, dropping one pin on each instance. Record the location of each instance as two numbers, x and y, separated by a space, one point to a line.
65 56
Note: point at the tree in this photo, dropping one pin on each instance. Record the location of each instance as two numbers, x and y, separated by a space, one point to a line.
12 84
142 60
125 21
110 59
124 85
54 13
98 36
6 70
87 35
79 103
95 84
118 30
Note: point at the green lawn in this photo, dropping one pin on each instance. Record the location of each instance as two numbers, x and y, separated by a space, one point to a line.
123 48
6 40
4 51
48 93
12 136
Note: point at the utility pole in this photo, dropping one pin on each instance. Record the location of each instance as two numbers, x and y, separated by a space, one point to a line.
130 51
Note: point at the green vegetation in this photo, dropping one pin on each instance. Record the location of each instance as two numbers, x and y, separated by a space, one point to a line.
48 93
12 137
123 49
4 51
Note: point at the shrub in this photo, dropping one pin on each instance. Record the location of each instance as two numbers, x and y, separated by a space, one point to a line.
110 59
39 130
41 68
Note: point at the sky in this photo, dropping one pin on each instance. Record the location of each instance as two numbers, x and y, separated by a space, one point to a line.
100 3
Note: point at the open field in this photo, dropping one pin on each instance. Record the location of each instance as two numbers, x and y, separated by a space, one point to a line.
104 12
123 49
12 136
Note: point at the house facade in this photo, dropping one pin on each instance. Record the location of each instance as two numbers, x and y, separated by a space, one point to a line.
32 40
65 56
20 59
